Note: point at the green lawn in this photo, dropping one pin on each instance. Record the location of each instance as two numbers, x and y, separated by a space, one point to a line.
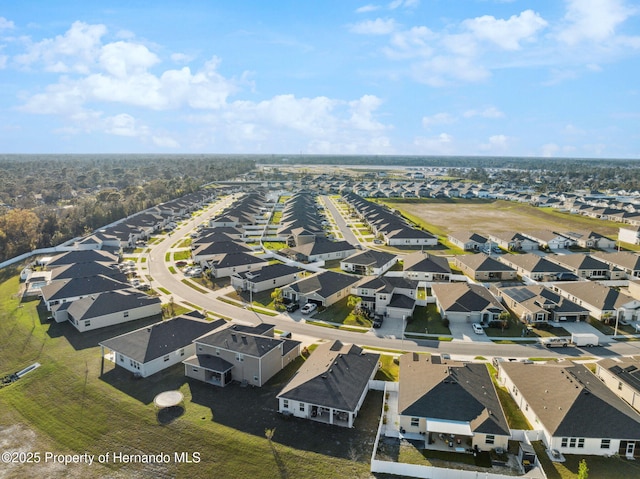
182 255
514 416
66 406
427 319
342 314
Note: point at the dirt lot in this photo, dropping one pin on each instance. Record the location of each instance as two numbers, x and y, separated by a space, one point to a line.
491 216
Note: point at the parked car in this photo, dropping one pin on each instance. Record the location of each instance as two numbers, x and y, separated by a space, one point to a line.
309 308
291 307
377 241
477 328
377 322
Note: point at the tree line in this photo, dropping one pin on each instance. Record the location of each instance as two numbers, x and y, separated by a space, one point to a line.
48 199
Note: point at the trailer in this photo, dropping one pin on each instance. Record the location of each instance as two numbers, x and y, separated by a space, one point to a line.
584 339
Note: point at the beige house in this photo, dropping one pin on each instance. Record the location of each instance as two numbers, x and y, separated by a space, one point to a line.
450 401
249 355
622 376
482 267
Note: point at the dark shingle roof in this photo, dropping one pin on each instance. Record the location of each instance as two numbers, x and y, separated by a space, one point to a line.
450 391
324 284
334 376
109 302
152 342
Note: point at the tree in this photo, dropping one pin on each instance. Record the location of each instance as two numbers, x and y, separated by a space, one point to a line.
583 470
276 295
504 320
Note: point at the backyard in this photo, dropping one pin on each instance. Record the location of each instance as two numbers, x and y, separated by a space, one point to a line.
67 406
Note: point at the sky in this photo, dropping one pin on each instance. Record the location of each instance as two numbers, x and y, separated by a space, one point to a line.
543 78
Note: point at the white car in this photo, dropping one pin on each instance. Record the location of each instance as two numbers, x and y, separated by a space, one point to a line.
309 308
477 328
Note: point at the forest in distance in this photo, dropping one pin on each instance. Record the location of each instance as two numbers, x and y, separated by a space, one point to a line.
48 199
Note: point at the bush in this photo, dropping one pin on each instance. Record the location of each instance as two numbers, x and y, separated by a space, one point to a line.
445 322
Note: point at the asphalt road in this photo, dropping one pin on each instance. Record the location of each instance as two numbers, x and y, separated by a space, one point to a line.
374 338
348 235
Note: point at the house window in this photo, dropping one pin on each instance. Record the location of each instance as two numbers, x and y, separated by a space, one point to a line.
239 357
489 439
166 358
301 407
415 422
572 442
605 443
126 314
285 403
619 385
182 352
87 323
564 442
581 442
195 370
217 352
121 358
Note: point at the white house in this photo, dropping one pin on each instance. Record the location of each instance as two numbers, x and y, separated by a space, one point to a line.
149 350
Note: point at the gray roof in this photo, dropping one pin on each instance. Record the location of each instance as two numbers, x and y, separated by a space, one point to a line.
334 376
101 304
426 263
152 342
371 258
570 401
80 270
464 297
272 271
626 370
235 259
324 283
388 284
401 301
450 391
533 263
75 287
212 363
240 342
82 256
595 294
482 262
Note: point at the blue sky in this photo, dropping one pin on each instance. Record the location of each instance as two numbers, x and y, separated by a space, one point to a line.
408 77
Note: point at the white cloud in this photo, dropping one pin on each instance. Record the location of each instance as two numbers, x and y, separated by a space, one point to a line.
374 27
181 58
165 142
550 150
6 24
403 4
441 144
593 20
437 119
75 51
489 112
367 8
507 34
124 125
498 143
442 70
362 113
124 59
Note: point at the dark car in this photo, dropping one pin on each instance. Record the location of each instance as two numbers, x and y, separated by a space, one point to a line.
291 307
377 322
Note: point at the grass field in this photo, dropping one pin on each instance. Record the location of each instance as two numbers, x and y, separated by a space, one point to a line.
67 406
442 217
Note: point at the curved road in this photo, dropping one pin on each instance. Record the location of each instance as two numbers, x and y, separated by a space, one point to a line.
183 293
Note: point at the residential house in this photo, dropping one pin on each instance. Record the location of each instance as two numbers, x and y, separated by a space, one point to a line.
629 234
623 260
622 376
482 267
533 266
324 288
154 348
265 278
586 266
549 239
331 385
225 265
82 256
465 302
513 241
110 308
428 267
369 263
249 355
390 296
467 240
450 402
535 304
68 290
575 412
601 301
206 252
590 239
321 249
